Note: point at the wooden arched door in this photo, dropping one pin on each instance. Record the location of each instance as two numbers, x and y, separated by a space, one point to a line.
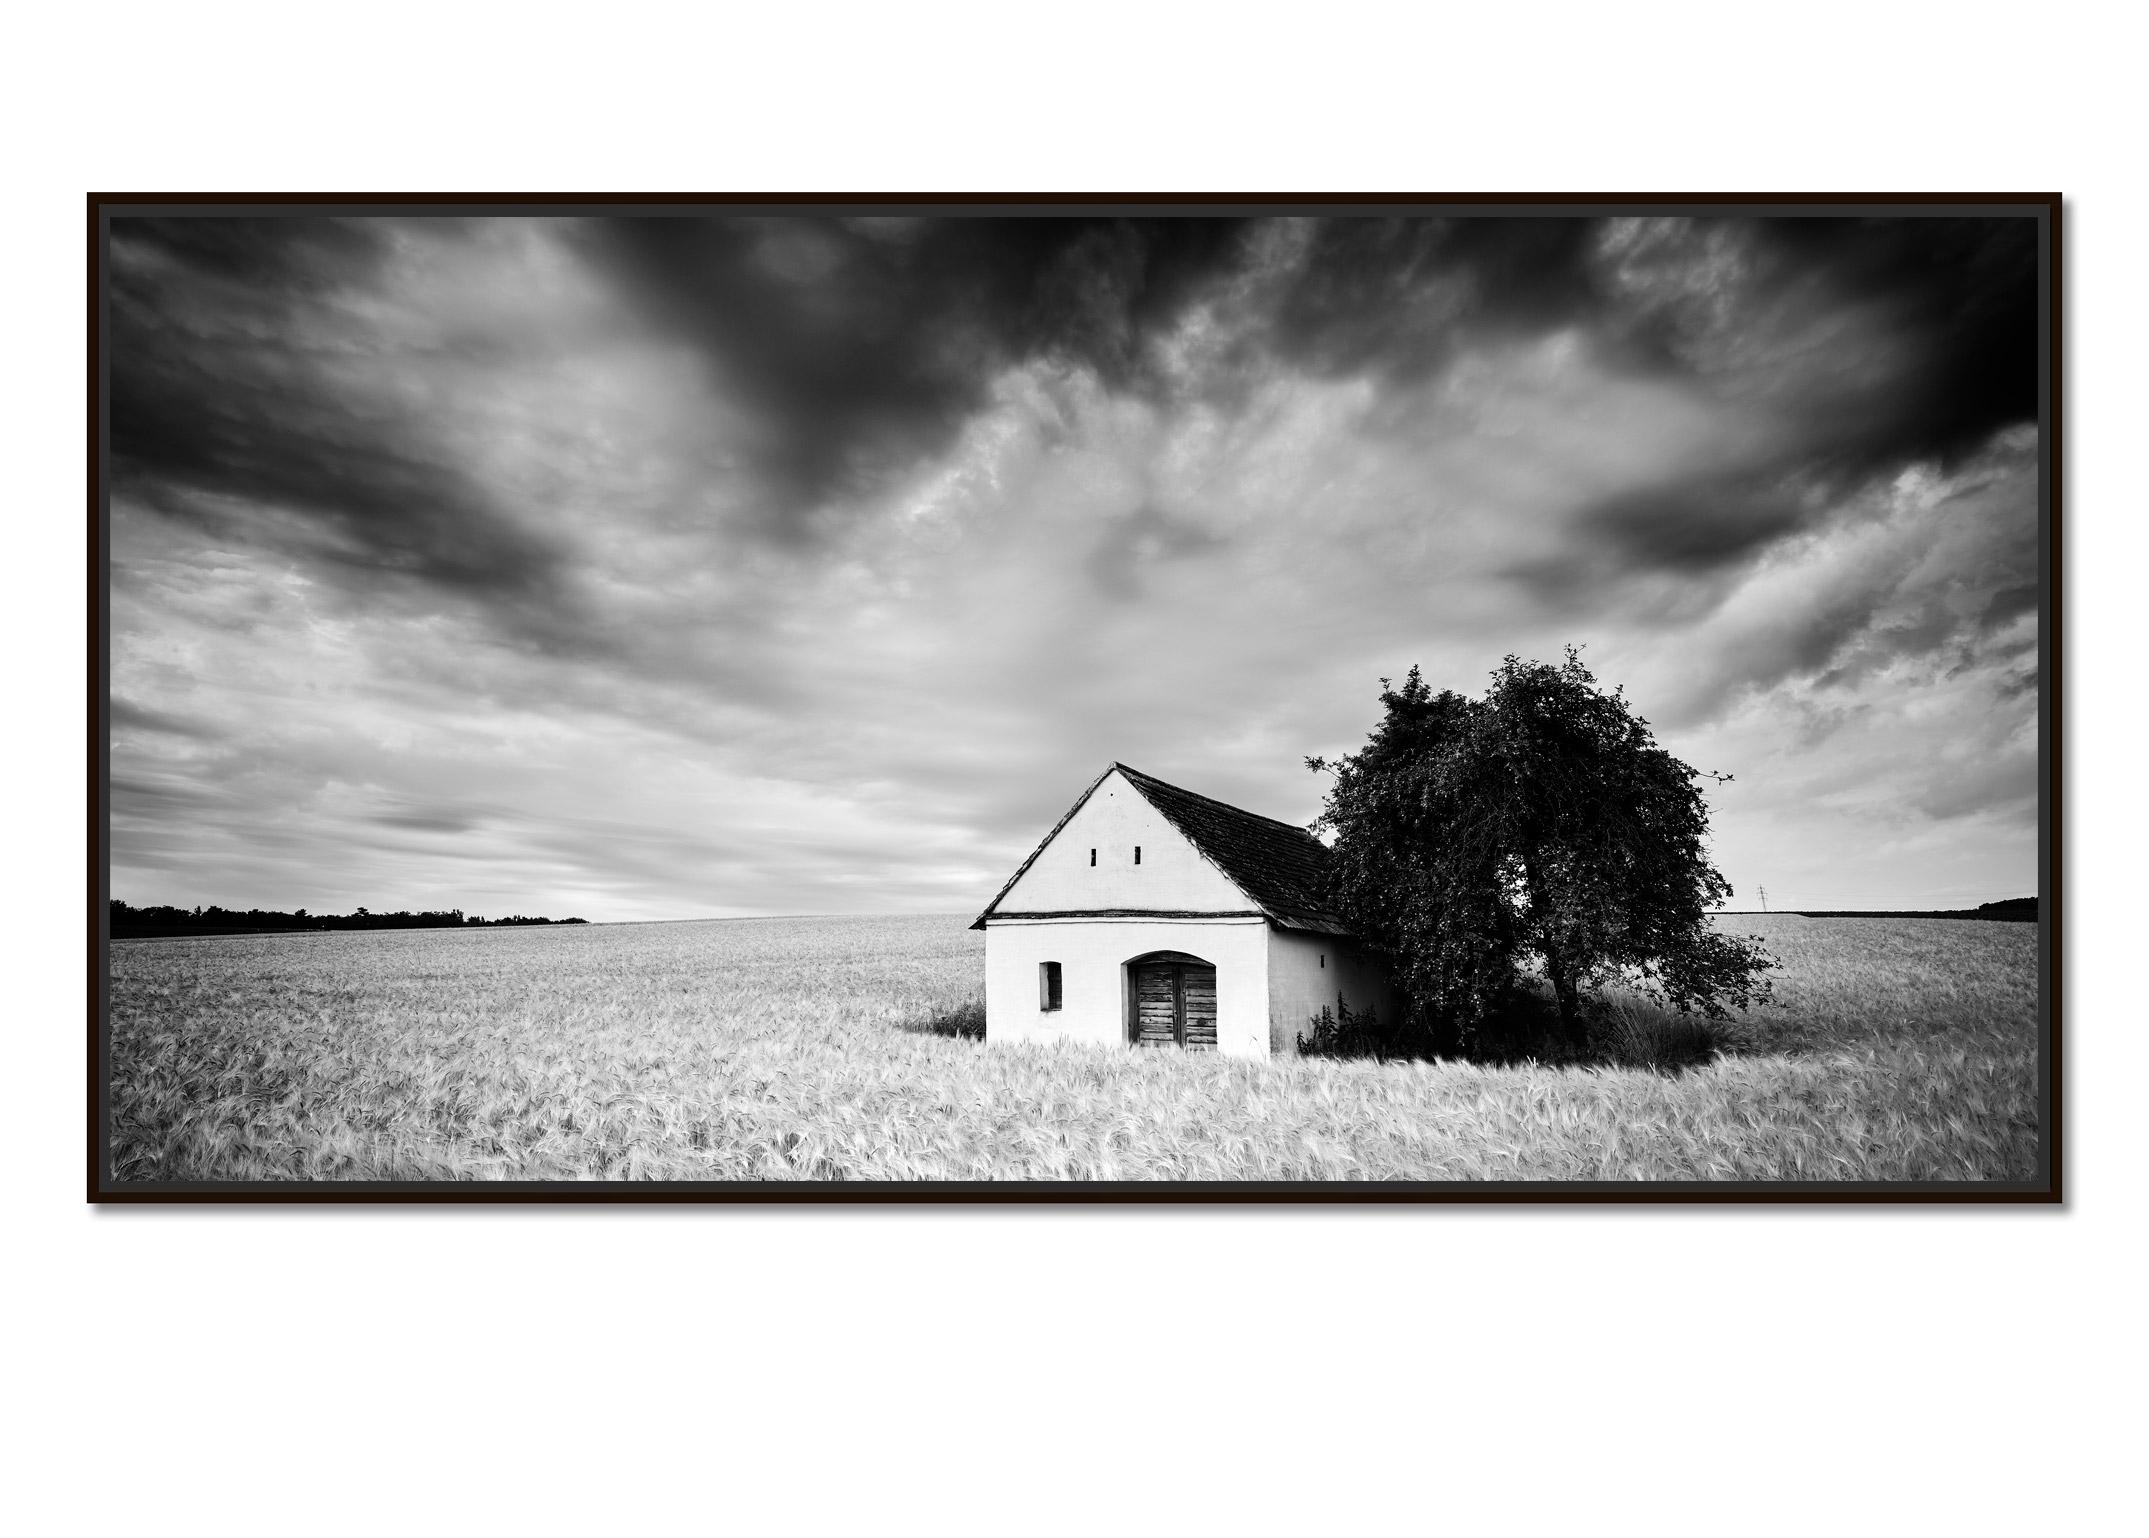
1173 1001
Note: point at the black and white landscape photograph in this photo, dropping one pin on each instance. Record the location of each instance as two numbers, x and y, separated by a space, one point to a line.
1046 699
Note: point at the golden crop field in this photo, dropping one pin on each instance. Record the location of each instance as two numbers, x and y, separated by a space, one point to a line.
795 1049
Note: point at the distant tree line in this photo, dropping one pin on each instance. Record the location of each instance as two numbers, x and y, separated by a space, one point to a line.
2021 910
132 923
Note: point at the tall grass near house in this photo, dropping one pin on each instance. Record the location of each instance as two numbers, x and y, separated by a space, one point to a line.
840 1049
963 1019
1623 1029
1627 1030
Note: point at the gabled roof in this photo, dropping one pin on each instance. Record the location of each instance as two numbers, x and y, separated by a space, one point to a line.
1279 866
1042 845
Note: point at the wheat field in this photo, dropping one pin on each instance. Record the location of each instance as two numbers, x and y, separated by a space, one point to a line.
796 1049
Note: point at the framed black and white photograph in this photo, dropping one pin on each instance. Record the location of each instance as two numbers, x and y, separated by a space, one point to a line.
1075 699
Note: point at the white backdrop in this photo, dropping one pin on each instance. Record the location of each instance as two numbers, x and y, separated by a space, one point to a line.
780 1371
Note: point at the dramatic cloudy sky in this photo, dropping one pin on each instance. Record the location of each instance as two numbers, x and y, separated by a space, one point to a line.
664 568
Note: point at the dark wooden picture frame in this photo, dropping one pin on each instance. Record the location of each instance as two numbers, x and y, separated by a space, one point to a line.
2044 1186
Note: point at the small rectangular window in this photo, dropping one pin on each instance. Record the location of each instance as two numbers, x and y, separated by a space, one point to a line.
1093 857
1048 985
1324 960
1137 854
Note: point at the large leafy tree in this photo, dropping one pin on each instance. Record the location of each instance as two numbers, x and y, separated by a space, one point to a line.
1540 825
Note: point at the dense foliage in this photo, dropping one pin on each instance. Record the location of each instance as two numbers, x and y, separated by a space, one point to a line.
1539 825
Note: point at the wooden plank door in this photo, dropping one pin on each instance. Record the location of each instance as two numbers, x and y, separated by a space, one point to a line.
1175 1005
1156 1006
1197 1008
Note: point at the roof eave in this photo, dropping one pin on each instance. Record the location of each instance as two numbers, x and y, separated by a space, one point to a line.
1310 923
1315 924
1009 885
1193 839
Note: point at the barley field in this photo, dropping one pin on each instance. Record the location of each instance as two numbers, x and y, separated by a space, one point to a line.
799 1049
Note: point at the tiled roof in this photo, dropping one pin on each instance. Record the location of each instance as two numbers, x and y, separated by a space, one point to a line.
1278 866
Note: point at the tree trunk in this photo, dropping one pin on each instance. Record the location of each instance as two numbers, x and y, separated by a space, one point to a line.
1563 984
1563 990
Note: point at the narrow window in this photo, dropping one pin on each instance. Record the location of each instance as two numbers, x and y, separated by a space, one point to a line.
1324 961
1048 985
1137 854
1093 857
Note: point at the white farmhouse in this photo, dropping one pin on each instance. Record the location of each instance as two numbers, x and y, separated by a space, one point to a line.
1156 917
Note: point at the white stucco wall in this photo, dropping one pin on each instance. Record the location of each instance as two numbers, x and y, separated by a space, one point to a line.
1093 953
1117 817
1306 971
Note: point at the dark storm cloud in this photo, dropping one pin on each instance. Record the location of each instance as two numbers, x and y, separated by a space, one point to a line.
1930 574
1850 347
1400 296
1958 297
860 346
856 349
1961 295
1693 529
227 347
